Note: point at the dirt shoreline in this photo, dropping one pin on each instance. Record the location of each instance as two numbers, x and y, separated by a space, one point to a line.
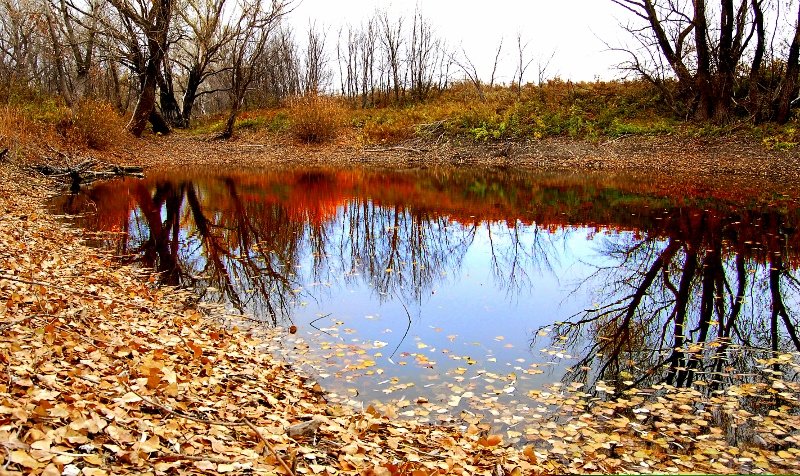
728 156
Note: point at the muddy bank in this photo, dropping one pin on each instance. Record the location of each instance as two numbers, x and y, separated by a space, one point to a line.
731 159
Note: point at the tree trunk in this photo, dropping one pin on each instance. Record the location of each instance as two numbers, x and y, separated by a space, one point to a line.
227 133
58 57
723 94
703 81
170 110
190 95
145 104
754 92
116 93
160 125
156 49
789 86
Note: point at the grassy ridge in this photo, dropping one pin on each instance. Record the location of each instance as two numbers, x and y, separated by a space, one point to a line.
587 111
584 111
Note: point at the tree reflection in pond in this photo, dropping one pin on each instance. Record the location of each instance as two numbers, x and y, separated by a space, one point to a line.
702 298
695 290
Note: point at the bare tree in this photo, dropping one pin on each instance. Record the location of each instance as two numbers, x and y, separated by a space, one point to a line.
200 53
346 58
423 54
496 62
706 48
392 41
316 73
788 89
76 29
251 31
522 64
367 62
280 69
19 44
148 23
470 71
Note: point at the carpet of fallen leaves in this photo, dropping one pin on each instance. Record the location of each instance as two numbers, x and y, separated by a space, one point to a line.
102 372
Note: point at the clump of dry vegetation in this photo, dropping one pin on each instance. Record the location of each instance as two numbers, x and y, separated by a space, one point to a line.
92 124
315 119
30 127
17 132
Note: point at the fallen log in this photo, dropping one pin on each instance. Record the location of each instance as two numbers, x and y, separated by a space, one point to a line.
85 173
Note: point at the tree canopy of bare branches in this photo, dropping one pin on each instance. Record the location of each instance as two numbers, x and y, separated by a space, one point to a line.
719 54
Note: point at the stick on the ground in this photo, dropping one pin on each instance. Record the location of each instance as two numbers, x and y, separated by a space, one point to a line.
397 148
269 445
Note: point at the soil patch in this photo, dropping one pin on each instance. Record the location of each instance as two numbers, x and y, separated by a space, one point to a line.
730 160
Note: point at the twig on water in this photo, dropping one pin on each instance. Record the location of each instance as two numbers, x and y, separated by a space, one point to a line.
323 330
408 327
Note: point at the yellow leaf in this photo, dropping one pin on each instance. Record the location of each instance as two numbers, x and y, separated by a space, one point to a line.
42 445
94 472
94 459
51 470
24 459
151 445
205 465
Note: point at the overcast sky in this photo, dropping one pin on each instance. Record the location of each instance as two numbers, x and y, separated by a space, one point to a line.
574 30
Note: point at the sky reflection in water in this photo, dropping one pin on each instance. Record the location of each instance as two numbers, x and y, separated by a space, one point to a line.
471 288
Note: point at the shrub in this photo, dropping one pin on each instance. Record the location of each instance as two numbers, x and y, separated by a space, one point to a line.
315 119
17 131
92 124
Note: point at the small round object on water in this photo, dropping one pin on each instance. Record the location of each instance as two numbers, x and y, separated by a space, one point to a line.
292 329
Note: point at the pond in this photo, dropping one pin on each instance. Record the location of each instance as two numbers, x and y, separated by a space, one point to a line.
474 290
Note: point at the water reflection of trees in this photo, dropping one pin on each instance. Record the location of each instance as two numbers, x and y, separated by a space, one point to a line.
703 298
248 253
398 251
700 293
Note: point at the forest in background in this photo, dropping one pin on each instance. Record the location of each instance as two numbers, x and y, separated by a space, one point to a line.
79 71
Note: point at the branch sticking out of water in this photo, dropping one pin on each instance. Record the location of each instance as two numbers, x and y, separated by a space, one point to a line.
408 327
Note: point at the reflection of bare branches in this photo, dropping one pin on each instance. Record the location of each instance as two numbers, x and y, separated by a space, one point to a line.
160 249
517 251
776 269
215 251
688 299
396 251
408 327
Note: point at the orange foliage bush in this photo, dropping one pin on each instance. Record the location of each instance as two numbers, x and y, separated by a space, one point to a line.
315 119
17 131
92 124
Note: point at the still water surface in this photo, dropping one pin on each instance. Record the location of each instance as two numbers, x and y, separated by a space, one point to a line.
472 288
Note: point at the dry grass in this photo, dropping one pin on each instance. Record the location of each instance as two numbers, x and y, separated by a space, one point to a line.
91 124
21 134
315 119
27 129
594 111
557 108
